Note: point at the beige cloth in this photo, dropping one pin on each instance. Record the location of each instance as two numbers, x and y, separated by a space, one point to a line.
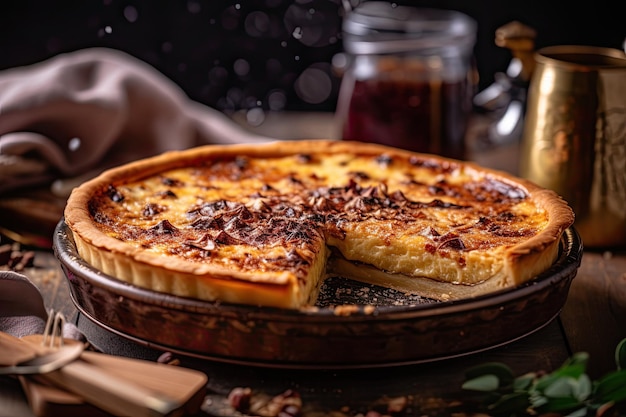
70 117
81 112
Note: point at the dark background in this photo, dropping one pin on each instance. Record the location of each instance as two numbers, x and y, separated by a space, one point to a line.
235 55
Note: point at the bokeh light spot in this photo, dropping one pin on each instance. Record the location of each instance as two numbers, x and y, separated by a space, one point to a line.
74 144
218 75
255 116
241 67
194 7
276 100
297 33
257 24
131 14
312 26
167 47
313 85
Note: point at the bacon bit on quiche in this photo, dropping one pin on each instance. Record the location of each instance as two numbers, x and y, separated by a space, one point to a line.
152 209
345 310
114 195
172 182
163 227
204 242
451 240
167 194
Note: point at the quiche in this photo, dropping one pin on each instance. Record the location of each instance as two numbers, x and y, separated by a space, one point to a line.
265 224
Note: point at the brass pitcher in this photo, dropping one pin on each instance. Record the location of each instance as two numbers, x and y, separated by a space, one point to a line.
574 139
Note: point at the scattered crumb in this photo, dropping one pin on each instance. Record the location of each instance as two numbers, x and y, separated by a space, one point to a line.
12 257
285 404
369 309
49 276
346 310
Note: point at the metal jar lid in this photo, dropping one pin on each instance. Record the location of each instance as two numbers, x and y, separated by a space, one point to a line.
377 27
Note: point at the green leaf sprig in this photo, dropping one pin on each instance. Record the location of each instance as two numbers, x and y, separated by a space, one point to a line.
568 391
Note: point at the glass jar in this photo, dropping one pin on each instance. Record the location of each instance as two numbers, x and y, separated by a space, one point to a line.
410 76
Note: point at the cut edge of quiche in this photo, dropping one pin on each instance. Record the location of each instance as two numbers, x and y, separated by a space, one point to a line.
508 265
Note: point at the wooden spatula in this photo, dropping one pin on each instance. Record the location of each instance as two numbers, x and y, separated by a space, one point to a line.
18 356
14 350
188 388
117 385
185 386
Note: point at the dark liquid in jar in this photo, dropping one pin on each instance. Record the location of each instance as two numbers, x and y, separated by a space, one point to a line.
421 116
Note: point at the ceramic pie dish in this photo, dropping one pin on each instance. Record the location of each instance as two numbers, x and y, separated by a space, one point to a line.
373 326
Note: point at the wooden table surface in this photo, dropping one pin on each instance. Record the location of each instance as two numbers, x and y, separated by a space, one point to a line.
593 320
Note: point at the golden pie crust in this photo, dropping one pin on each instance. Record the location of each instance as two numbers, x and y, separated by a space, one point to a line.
265 224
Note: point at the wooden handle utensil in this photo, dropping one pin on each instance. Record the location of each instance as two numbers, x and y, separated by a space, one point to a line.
124 386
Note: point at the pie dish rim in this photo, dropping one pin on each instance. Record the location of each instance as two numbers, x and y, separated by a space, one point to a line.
550 288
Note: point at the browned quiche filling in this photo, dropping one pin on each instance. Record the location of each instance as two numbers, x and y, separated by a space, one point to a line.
264 224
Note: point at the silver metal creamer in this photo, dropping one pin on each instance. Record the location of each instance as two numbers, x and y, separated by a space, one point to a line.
574 139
